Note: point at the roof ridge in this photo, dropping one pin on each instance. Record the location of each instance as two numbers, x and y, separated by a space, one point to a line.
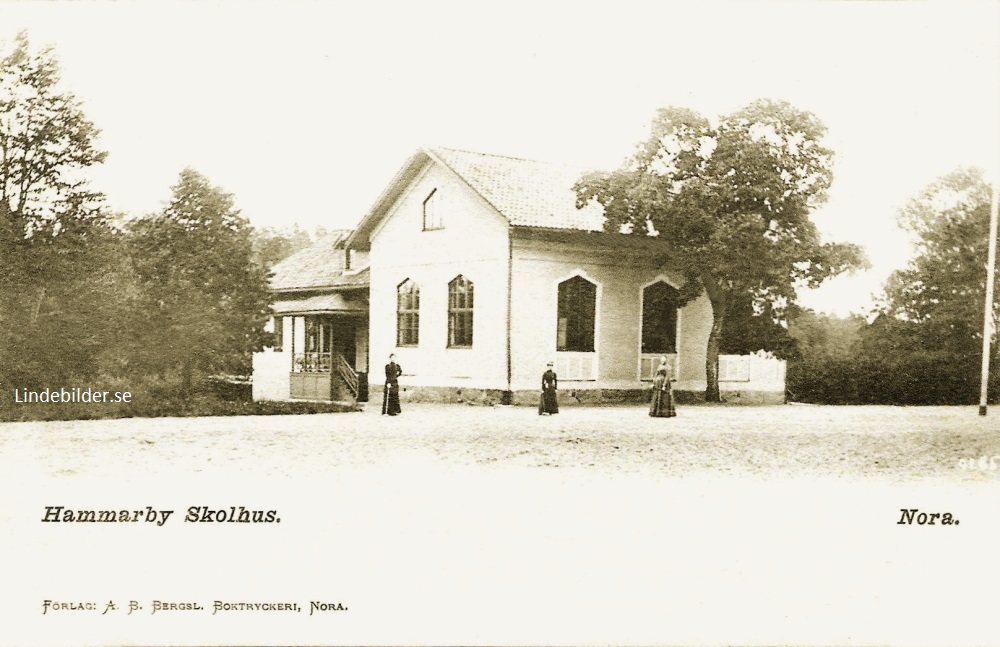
498 155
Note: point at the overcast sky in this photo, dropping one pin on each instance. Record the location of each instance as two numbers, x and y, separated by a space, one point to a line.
305 110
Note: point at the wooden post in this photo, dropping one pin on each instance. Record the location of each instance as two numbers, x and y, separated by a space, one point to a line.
991 258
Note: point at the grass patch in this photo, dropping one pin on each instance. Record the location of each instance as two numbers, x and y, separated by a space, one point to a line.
156 398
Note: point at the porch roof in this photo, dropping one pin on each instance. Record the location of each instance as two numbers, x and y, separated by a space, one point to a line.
330 303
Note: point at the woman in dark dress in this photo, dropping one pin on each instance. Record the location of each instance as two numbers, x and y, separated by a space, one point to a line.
549 405
390 397
662 404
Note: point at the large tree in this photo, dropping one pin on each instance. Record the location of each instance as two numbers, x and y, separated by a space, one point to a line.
932 312
943 287
272 245
46 146
733 200
206 300
57 289
750 327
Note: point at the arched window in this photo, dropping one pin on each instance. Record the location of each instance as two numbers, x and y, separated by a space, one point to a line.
460 312
659 318
407 314
577 310
432 212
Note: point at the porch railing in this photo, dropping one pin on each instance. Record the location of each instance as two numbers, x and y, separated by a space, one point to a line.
348 374
311 363
576 366
650 362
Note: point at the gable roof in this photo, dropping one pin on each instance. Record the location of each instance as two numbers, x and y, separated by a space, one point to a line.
528 193
321 265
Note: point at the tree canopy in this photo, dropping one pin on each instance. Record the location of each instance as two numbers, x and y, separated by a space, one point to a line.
733 201
205 299
931 316
46 145
923 343
943 287
58 295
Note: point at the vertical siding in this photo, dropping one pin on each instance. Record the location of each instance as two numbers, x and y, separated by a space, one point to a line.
620 276
472 243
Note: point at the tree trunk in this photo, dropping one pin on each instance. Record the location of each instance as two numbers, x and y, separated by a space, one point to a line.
717 297
712 393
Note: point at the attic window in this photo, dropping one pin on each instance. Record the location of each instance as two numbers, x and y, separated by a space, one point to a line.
432 212
347 258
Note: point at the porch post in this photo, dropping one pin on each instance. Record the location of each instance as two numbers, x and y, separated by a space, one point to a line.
291 367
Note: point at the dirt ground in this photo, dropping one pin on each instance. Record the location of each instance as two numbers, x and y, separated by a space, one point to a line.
895 443
455 524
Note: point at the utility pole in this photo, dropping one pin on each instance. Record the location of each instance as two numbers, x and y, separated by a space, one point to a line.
991 259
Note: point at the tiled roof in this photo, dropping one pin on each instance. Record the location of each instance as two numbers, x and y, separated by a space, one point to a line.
528 193
320 266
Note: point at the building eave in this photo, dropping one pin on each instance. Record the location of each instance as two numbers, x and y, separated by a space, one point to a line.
409 171
320 288
359 239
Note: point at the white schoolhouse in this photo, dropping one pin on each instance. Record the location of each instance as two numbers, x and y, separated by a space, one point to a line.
476 270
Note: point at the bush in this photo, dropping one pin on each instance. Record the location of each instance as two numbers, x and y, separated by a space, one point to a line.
908 378
154 397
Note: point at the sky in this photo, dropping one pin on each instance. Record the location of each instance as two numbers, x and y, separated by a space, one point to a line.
305 110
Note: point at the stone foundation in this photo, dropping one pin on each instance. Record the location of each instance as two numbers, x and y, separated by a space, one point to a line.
567 397
733 397
752 397
586 397
439 395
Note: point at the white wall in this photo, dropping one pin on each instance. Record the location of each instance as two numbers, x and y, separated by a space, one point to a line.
620 276
756 372
472 243
271 369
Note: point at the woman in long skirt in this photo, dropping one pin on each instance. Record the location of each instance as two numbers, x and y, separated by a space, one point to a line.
548 404
662 404
390 396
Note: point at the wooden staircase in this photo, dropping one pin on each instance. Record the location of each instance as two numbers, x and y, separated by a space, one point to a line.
349 378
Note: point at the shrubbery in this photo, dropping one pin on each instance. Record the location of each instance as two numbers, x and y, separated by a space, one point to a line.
154 397
850 361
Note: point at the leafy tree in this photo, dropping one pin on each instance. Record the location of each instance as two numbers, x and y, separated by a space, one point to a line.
931 317
272 246
750 327
46 145
923 345
734 201
205 298
58 290
944 285
824 365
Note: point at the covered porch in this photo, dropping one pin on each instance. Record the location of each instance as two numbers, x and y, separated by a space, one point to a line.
325 341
